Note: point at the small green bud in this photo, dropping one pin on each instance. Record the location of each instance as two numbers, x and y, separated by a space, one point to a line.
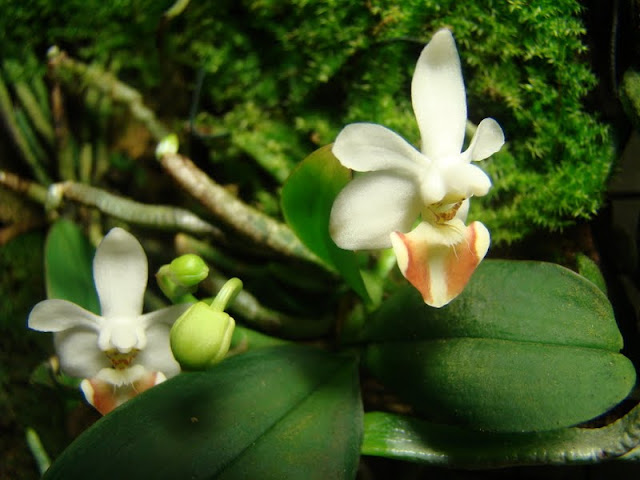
188 270
182 276
201 336
167 146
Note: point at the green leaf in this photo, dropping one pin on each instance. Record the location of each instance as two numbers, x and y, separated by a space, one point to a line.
591 271
307 197
411 439
282 412
528 346
68 266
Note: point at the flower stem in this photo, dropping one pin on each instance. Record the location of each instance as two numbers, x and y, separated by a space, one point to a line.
37 450
227 294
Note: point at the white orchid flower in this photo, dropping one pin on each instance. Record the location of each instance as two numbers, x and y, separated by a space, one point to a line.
401 184
121 352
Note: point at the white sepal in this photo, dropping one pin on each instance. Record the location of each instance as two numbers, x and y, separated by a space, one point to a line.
120 274
438 97
372 206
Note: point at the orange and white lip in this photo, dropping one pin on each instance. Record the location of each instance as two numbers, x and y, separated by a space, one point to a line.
437 267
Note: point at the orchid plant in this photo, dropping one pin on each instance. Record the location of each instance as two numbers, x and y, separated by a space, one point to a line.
121 352
496 375
378 209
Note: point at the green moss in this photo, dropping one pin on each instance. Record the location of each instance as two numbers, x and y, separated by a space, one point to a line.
282 77
630 96
317 67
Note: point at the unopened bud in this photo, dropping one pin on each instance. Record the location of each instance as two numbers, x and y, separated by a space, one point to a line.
201 336
182 275
188 270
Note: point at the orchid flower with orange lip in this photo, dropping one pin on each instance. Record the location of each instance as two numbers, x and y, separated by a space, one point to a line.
378 208
121 352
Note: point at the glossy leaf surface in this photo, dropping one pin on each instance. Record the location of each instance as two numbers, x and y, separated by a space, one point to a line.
307 197
273 413
407 438
528 346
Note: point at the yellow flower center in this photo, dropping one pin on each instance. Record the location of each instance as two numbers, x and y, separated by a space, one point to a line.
441 212
121 361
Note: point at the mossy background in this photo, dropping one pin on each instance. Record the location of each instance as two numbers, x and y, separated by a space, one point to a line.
280 78
254 86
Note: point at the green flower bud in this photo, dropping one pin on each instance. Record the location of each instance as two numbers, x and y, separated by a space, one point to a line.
188 270
201 336
182 276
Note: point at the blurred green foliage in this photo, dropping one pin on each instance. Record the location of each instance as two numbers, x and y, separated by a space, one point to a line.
280 78
21 265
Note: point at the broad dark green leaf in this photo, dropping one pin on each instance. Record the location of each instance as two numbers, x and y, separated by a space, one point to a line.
507 300
282 412
528 346
307 197
68 266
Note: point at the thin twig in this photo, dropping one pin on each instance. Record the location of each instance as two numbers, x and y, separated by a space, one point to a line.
244 219
32 190
75 74
158 216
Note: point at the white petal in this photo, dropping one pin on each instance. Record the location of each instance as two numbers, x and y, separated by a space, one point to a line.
157 357
57 315
79 353
487 140
120 273
438 97
372 206
366 147
166 316
464 180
